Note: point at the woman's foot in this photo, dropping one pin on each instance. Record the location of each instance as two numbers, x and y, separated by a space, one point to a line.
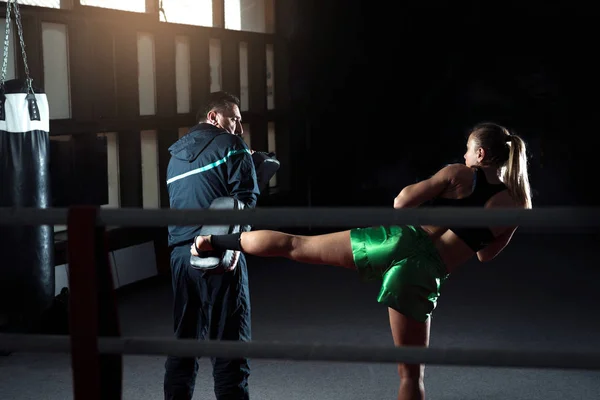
201 243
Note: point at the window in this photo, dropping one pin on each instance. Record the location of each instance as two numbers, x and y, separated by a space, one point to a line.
150 177
10 68
123 5
183 131
214 52
233 15
183 74
270 77
270 16
249 15
146 74
272 148
83 170
39 3
56 69
61 161
112 163
246 134
189 12
244 89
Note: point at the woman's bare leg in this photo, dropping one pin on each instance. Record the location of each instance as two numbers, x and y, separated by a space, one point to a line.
329 249
409 332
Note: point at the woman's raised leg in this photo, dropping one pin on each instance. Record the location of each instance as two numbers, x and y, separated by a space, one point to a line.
329 249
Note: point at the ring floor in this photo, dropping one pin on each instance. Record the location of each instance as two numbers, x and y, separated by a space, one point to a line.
540 294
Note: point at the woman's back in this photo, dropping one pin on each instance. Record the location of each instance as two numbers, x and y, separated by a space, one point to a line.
494 176
469 187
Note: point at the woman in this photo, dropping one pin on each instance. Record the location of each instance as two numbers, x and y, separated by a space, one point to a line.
414 261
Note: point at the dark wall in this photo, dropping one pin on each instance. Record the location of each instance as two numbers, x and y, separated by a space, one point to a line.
78 170
389 96
368 100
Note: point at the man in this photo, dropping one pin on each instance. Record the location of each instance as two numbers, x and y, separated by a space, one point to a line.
211 161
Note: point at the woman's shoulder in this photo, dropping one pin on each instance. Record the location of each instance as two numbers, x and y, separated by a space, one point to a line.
457 167
458 171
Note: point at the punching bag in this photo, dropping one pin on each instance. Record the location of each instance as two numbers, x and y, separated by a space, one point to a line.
26 252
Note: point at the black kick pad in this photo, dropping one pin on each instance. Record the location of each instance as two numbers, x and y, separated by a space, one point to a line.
266 166
211 260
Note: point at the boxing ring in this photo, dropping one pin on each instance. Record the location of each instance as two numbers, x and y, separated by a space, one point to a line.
95 340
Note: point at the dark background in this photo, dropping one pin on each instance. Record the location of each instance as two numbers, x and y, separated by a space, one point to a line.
387 97
380 99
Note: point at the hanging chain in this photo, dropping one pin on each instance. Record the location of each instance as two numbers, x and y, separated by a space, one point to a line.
6 43
161 9
22 41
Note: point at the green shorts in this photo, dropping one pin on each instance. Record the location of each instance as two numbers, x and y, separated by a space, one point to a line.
406 259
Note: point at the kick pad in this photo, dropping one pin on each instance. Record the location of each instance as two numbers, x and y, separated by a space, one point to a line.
217 260
266 166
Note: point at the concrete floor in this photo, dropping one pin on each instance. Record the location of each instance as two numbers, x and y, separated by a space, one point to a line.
540 294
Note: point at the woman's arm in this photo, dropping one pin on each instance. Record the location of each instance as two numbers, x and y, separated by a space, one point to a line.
503 233
418 193
493 249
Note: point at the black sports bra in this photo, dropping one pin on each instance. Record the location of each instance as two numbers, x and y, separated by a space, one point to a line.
475 237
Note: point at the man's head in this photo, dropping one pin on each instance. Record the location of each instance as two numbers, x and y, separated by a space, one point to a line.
222 110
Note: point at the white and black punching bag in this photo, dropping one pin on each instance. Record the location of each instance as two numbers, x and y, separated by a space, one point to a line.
26 252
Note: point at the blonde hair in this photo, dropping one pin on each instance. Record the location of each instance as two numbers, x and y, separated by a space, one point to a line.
509 153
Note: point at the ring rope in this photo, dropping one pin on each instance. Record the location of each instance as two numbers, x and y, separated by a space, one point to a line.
505 358
105 345
544 217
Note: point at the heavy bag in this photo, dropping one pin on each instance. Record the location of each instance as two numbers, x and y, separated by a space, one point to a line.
26 252
266 165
